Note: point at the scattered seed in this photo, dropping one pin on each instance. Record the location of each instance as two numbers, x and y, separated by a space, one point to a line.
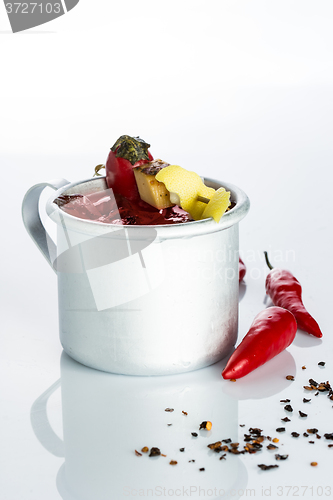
207 425
191 460
173 462
169 424
314 464
281 457
267 467
286 419
163 455
169 409
213 446
184 412
306 400
321 363
138 454
280 429
275 440
290 377
154 452
182 449
194 434
145 449
232 380
301 414
288 408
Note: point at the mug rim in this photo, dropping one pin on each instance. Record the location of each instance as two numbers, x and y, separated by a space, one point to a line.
183 229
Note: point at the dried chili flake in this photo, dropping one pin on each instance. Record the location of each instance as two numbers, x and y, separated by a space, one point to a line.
181 449
169 409
173 462
154 452
317 436
202 469
303 367
138 454
306 400
145 449
313 382
290 377
213 446
241 425
286 419
169 424
288 408
206 424
272 447
312 431
226 441
191 460
328 436
232 380
259 439
307 388
321 363
163 455
295 434
305 434
317 393
222 457
255 430
280 429
267 467
311 442
234 445
284 400
184 412
301 414
281 457
194 434
330 445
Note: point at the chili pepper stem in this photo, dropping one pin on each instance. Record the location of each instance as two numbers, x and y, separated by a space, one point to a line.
267 261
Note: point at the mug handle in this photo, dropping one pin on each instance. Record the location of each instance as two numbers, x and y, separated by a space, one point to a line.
32 220
41 425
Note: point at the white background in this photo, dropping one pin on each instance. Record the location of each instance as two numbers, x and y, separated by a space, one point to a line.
239 91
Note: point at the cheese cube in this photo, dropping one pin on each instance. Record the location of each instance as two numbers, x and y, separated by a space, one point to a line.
151 190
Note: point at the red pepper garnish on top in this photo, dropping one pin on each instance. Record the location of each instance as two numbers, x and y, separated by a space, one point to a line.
127 153
286 291
242 269
272 330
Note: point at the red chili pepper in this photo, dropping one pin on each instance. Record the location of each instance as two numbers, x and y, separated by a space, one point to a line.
272 330
242 269
126 154
286 291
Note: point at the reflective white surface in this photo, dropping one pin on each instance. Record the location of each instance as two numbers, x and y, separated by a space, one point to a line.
261 119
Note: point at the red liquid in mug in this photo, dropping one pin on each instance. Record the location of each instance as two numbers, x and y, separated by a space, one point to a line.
106 207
